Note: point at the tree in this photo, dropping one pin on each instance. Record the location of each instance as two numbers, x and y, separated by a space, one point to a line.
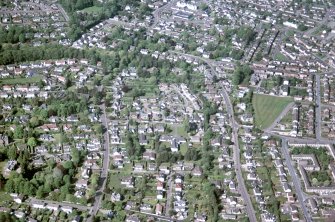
242 73
68 165
2 181
34 122
18 132
57 172
75 155
32 142
12 153
40 192
10 186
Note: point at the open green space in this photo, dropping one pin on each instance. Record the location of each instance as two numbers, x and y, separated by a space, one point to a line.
281 57
13 81
93 9
267 108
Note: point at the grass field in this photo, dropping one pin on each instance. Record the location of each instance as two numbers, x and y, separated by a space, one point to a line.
281 57
93 10
267 108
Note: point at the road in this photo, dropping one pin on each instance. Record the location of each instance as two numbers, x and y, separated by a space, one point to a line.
105 167
77 206
296 181
157 12
163 218
237 162
318 108
63 12
211 63
168 195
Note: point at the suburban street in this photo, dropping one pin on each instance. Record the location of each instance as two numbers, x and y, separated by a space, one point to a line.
105 167
237 163
168 195
295 179
318 108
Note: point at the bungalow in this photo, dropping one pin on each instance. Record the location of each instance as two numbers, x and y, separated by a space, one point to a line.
143 139
161 177
286 187
197 171
128 181
84 61
19 214
145 207
149 155
82 183
38 205
7 88
178 179
67 209
17 198
60 62
164 169
257 191
174 145
232 185
3 95
53 207
159 209
47 63
160 194
179 187
138 167
152 167
132 218
130 205
160 185
115 197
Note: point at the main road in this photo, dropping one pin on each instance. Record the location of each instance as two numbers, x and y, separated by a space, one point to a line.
296 181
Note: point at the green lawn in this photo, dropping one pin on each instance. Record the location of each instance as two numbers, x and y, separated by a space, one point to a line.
281 57
93 10
183 148
267 108
4 197
13 81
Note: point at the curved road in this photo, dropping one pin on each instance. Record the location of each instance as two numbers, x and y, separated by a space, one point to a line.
237 162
